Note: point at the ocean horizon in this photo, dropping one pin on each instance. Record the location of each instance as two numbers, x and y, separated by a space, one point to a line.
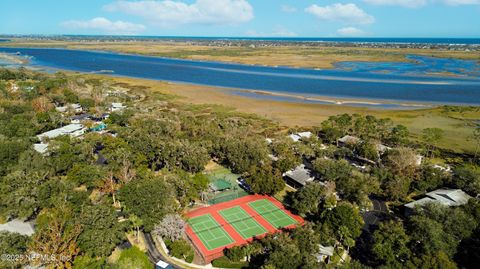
391 40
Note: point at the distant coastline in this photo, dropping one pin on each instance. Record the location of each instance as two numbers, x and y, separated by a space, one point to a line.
387 40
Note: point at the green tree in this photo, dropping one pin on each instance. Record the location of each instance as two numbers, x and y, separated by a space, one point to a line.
307 199
429 237
345 221
101 230
368 151
332 170
180 249
12 244
390 245
431 136
467 178
150 199
133 258
399 135
265 180
86 174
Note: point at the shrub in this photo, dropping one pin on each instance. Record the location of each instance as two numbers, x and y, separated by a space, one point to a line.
224 262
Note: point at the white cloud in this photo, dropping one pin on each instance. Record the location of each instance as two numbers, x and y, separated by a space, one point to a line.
288 9
420 3
345 13
105 25
461 2
350 31
402 3
169 13
278 32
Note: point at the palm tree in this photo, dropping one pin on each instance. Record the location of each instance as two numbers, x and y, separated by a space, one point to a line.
136 223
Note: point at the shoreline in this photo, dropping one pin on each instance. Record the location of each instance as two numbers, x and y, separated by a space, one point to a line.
342 101
14 59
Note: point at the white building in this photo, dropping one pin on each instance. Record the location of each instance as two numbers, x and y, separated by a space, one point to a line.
299 136
117 107
41 148
73 130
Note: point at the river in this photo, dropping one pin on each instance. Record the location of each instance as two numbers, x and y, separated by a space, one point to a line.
348 80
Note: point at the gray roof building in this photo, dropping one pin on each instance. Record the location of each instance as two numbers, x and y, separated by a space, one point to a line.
299 176
446 197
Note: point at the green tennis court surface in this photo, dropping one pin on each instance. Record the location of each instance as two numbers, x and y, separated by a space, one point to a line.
210 232
242 222
271 213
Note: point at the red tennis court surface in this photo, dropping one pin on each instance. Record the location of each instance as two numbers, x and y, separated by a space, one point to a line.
235 223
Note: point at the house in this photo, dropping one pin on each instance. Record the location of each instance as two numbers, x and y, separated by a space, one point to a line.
74 130
446 197
80 118
77 108
163 265
324 253
299 136
298 177
41 148
349 140
18 226
117 107
382 148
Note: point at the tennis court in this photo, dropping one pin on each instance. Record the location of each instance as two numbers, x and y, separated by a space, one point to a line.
242 222
210 232
271 213
212 229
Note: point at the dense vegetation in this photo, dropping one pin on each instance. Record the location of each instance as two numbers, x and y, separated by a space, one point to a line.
156 150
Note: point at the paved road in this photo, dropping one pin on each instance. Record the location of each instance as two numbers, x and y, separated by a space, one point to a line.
153 253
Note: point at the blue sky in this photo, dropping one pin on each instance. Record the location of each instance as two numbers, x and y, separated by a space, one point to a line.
303 18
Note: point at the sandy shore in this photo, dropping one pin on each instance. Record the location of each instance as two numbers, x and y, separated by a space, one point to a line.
13 59
336 101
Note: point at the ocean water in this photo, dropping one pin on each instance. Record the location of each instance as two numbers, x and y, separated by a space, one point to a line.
353 80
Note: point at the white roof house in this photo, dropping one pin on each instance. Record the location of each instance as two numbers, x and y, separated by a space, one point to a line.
324 252
446 197
74 130
116 107
298 136
77 108
18 226
41 148
348 139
